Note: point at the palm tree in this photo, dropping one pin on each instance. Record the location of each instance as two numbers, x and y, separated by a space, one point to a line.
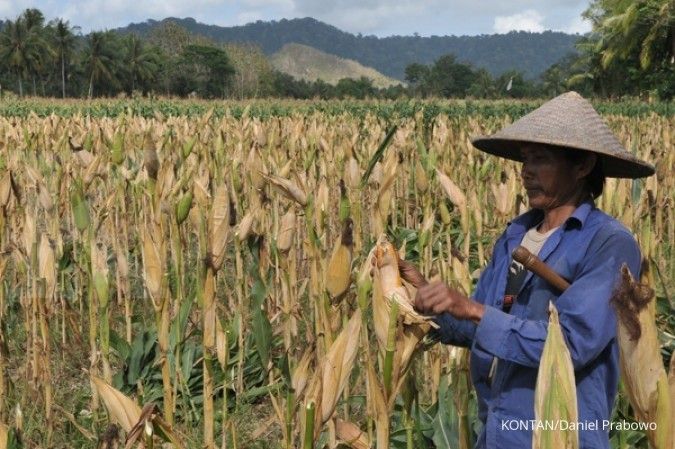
100 57
644 29
17 49
141 64
64 42
39 52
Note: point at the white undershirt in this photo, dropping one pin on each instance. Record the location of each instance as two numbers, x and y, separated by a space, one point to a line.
533 240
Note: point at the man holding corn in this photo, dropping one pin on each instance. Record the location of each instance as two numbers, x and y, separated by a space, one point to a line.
566 152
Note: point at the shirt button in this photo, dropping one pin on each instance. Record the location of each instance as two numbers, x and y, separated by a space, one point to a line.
499 302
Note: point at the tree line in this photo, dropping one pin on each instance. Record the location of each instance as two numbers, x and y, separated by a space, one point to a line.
631 51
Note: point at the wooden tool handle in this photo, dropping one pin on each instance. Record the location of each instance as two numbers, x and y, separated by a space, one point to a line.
532 263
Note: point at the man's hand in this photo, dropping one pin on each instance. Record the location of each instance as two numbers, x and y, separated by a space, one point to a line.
436 298
411 274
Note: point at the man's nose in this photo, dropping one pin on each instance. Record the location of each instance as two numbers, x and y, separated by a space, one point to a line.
526 171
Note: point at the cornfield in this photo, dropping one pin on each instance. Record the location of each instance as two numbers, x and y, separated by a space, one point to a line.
209 278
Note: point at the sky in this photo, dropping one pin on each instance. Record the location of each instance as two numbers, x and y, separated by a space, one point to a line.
369 17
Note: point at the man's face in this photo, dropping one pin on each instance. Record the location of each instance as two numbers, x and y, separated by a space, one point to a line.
549 178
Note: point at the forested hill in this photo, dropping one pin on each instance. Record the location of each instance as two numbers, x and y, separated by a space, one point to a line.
530 53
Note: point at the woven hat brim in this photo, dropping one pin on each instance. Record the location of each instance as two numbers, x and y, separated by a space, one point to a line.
613 167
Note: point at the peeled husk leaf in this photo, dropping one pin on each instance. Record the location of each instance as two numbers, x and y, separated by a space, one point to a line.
289 189
125 412
122 409
555 394
351 435
391 285
301 373
642 369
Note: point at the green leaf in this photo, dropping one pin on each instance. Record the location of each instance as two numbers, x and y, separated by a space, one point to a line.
378 154
445 424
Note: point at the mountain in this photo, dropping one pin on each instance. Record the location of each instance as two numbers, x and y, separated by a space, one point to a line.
530 53
303 62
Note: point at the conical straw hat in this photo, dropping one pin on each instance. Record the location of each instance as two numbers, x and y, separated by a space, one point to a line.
567 121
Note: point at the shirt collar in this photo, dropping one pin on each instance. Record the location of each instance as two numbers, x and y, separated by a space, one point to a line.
522 223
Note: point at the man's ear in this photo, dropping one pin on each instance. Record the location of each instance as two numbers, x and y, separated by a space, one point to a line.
586 165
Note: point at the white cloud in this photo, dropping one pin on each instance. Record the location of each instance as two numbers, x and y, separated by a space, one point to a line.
366 16
528 20
578 25
379 17
248 17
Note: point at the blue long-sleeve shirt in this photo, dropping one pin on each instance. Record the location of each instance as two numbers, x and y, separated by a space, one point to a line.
588 250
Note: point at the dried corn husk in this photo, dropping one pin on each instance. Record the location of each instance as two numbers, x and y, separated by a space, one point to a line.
47 265
286 231
642 369
392 286
555 395
352 174
337 365
338 274
183 206
245 226
421 180
219 226
153 266
333 373
501 195
453 192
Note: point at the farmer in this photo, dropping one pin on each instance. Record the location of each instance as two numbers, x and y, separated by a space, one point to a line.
566 152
